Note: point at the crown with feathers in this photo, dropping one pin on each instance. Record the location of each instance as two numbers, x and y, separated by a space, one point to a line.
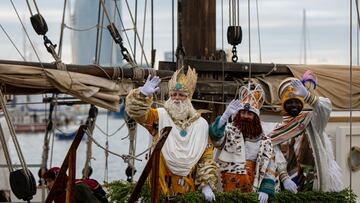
183 83
286 90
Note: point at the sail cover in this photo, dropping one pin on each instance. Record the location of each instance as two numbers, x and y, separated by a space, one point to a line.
333 83
91 89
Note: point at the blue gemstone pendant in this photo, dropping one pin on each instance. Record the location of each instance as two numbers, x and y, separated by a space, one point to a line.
183 133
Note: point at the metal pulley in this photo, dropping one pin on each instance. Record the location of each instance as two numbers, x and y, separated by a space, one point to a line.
39 24
234 37
23 184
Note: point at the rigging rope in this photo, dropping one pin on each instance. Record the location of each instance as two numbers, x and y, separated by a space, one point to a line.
26 33
123 26
136 32
12 42
13 134
143 33
249 33
62 27
5 148
258 25
49 130
350 84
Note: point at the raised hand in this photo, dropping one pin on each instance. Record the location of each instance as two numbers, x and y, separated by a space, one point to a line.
300 88
263 197
150 86
290 186
234 106
208 193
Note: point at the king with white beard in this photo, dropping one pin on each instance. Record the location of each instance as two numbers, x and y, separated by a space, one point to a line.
186 160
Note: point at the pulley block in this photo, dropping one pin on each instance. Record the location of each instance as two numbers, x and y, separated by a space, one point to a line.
234 35
23 184
39 24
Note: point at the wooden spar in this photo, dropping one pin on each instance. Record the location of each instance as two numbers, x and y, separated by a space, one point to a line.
150 165
229 67
68 162
94 70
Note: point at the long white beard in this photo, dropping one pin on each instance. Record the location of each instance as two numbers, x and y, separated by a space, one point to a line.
180 110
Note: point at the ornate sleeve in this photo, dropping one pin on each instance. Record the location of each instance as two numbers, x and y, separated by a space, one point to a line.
268 183
280 163
139 108
321 110
207 169
217 134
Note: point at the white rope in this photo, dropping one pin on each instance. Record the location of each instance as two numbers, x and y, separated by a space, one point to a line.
143 33
136 32
249 33
112 134
258 25
62 27
12 42
350 88
83 29
124 157
5 149
12 133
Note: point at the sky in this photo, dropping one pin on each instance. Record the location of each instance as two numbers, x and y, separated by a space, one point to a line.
328 28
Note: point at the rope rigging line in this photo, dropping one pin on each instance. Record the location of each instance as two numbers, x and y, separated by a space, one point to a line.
123 26
350 84
41 28
124 157
106 171
49 131
90 125
258 25
5 149
249 33
234 31
82 29
116 36
26 33
135 30
62 27
100 36
143 33
112 134
12 42
135 25
96 61
13 134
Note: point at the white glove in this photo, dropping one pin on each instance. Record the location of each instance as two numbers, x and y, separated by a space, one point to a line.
232 108
208 193
150 86
263 197
300 88
290 186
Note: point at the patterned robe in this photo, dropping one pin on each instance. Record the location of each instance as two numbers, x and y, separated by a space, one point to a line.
309 157
245 164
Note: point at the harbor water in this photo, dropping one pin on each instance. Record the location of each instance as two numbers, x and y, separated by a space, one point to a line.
103 171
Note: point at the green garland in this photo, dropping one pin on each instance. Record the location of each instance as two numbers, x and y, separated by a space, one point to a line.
120 191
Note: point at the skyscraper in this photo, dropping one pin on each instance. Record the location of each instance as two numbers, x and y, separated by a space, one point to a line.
85 18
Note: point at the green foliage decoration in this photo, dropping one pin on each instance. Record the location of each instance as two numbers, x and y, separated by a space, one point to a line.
120 191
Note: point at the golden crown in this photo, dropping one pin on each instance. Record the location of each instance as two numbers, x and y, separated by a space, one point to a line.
183 83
